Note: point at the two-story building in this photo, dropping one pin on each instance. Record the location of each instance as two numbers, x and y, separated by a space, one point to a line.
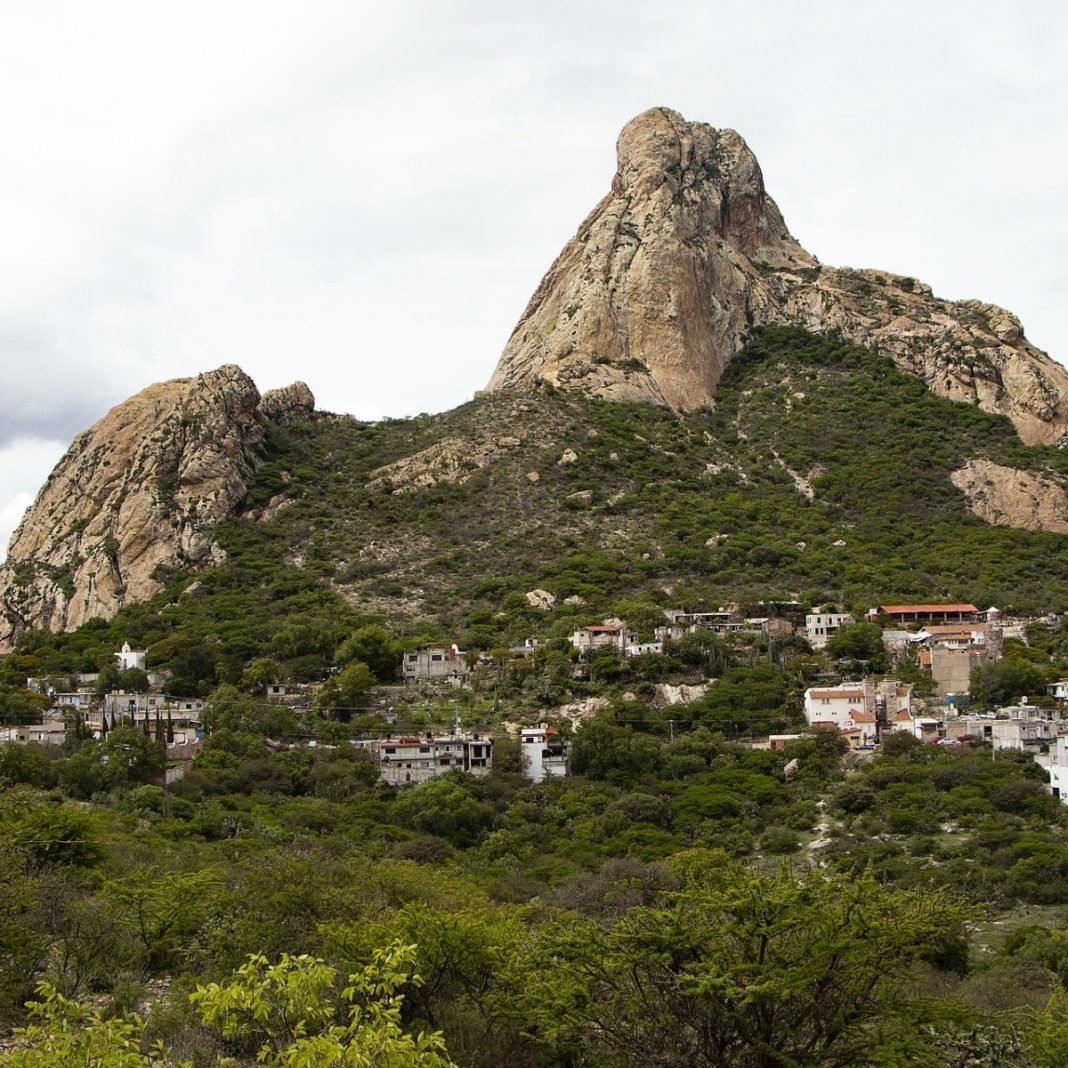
543 753
435 664
613 634
821 627
862 708
415 759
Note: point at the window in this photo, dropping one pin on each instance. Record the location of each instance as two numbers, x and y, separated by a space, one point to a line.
413 657
436 656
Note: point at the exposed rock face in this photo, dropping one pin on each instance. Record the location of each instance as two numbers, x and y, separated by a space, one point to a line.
140 490
292 404
1010 498
663 281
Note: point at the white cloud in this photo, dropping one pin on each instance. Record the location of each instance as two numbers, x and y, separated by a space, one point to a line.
24 465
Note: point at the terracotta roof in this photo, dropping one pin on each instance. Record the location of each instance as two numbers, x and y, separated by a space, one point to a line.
836 693
901 716
890 609
956 628
861 717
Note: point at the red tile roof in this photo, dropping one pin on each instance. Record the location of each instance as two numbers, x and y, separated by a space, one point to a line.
837 693
924 609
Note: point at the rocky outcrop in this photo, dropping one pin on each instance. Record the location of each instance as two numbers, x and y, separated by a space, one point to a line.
138 493
292 404
687 252
1007 497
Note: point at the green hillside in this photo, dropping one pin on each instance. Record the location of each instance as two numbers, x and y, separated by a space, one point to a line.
653 508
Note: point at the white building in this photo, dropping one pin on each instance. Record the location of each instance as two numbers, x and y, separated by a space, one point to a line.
841 707
1056 763
612 634
416 759
820 627
860 706
41 733
1058 689
641 648
130 658
680 622
543 753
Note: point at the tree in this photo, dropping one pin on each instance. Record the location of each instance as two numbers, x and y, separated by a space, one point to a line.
744 970
228 709
346 691
999 682
260 674
444 807
603 750
128 757
18 705
284 1013
375 646
287 1009
860 641
66 1033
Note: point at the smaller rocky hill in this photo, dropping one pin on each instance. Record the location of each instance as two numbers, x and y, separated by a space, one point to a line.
138 493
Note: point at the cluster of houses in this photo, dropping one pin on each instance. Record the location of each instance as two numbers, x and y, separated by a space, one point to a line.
177 719
948 640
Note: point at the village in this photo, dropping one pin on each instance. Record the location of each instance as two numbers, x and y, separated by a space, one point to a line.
947 641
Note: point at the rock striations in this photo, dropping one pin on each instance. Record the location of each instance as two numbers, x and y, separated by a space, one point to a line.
660 286
137 493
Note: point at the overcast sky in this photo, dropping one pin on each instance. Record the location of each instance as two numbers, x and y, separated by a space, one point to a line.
364 195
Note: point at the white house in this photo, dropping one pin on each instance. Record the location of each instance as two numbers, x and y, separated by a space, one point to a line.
859 706
614 634
1058 689
841 707
130 658
41 733
543 753
820 627
1056 763
416 759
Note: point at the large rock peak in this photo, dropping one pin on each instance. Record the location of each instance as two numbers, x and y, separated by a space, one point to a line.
137 493
665 278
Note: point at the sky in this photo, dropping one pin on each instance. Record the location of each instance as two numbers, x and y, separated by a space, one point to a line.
364 195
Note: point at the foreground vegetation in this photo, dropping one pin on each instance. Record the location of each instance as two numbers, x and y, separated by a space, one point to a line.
679 901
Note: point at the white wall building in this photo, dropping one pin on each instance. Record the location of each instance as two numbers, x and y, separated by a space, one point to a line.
1056 763
820 627
543 753
130 658
41 733
859 706
416 759
613 634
